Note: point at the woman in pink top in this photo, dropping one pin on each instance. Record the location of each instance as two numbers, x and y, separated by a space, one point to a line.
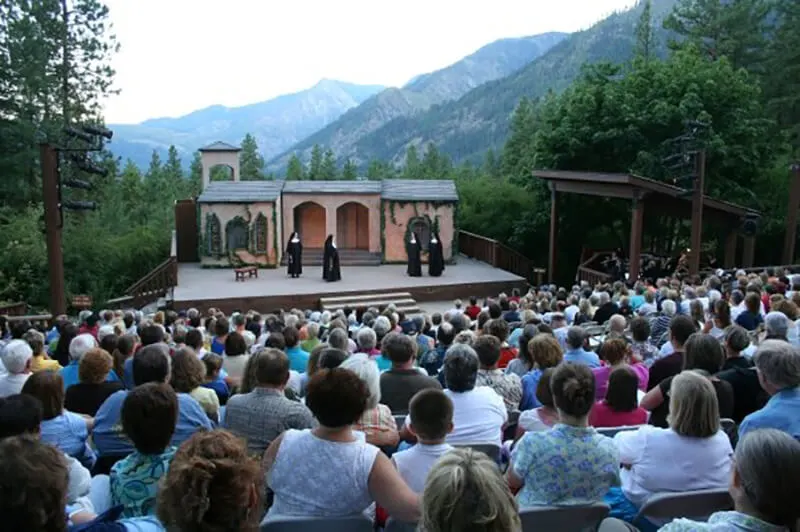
620 407
615 353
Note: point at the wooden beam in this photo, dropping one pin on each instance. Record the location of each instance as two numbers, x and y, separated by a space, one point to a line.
635 249
748 255
791 215
551 264
697 213
594 189
731 243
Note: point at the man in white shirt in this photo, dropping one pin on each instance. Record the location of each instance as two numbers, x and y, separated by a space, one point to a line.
17 358
572 309
457 308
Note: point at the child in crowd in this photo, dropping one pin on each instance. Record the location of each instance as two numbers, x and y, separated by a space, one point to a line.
214 379
149 414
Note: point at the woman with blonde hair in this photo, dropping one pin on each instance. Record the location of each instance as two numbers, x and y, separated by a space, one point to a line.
693 453
546 353
187 376
464 491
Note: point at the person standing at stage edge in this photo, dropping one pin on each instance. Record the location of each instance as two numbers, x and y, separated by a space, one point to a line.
330 261
435 256
414 262
294 255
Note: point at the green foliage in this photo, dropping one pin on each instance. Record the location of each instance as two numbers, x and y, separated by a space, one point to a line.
295 171
349 170
782 81
251 163
315 167
328 170
645 48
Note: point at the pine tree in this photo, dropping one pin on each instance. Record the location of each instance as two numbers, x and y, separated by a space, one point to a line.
491 164
295 170
328 169
251 163
645 46
412 168
173 174
315 167
782 86
132 189
196 175
516 163
435 165
349 170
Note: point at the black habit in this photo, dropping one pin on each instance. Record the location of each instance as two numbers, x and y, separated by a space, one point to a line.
330 262
294 256
414 262
435 256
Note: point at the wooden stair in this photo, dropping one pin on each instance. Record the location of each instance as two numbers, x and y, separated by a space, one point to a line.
401 300
347 257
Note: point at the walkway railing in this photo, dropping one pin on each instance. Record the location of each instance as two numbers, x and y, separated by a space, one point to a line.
590 275
498 255
155 284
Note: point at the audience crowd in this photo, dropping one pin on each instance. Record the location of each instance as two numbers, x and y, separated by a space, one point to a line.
194 421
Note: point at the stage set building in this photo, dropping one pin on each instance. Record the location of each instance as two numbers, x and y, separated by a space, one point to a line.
249 222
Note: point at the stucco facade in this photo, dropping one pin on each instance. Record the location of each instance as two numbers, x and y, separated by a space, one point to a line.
260 249
398 215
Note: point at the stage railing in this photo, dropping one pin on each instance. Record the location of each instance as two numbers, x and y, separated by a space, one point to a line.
498 255
590 275
14 309
155 284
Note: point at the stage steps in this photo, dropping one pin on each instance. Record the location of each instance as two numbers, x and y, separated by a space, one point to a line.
401 300
347 257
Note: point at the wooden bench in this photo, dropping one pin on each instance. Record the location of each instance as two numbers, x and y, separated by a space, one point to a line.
246 272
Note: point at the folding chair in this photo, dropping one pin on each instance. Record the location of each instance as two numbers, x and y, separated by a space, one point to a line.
393 525
565 518
510 429
400 420
489 449
611 431
697 505
317 524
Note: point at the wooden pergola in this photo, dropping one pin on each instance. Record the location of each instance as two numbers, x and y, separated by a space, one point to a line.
653 196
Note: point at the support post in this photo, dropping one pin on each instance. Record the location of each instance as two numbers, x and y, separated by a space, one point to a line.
551 263
791 215
749 251
52 223
697 213
635 248
731 242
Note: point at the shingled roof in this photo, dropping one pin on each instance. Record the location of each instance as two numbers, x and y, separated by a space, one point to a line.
332 187
419 190
240 191
220 146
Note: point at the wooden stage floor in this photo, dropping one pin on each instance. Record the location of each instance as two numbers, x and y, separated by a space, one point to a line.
205 287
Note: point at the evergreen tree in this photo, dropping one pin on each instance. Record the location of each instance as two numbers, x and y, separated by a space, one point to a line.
295 171
196 175
154 181
782 86
412 168
645 47
328 169
518 158
435 165
251 163
491 164
221 172
173 174
315 167
349 170
378 170
132 189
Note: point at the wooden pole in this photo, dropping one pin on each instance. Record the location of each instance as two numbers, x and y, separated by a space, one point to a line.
52 222
637 219
697 213
791 215
551 264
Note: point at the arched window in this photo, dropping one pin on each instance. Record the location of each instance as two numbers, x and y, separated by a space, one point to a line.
260 244
236 234
422 228
213 235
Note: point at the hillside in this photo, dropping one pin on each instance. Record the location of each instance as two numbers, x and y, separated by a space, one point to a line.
491 62
277 123
465 128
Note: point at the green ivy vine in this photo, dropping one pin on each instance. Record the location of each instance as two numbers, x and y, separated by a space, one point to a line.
383 230
275 232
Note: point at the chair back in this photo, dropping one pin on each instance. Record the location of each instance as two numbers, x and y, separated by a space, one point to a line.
564 518
400 420
489 449
317 524
393 525
697 505
611 431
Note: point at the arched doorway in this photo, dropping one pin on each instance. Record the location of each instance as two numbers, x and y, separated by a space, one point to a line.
309 221
352 226
422 228
222 172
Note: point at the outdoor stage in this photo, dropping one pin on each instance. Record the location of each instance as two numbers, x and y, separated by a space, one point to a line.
209 287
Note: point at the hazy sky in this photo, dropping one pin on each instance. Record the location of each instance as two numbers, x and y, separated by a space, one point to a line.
181 55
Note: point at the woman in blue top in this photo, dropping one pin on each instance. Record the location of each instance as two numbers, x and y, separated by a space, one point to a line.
751 318
546 352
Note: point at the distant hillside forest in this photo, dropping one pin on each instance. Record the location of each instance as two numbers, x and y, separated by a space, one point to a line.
732 65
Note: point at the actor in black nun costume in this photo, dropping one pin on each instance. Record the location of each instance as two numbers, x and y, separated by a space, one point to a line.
330 261
414 261
435 256
294 255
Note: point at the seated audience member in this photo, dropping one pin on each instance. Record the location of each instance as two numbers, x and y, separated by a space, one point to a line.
235 358
764 487
77 348
149 414
400 383
473 309
61 350
641 348
776 326
312 331
524 362
680 329
377 422
17 358
692 454
367 340
465 491
221 329
93 389
621 404
499 329
616 354
606 308
148 335
338 339
736 340
150 364
479 413
543 472
122 353
616 327
542 417
720 320
21 415
328 471
575 352
704 355
507 386
751 317
262 414
187 375
40 361
212 484
213 380
66 430
431 420
432 362
546 353
778 369
298 359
